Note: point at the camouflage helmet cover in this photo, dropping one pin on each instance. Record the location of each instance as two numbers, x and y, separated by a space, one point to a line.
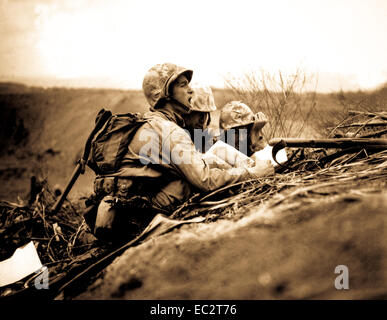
158 79
236 114
203 99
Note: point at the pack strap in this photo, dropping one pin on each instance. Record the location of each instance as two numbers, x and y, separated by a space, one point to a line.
102 117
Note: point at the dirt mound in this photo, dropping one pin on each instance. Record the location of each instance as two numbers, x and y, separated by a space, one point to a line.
269 254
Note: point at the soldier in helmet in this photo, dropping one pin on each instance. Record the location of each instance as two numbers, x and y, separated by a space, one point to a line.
162 164
202 104
242 128
198 120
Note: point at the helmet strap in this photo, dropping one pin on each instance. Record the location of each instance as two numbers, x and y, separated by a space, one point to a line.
209 119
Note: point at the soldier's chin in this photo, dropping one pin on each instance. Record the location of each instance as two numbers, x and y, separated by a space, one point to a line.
256 148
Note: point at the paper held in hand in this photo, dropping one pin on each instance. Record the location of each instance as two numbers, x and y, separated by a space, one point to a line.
230 155
266 154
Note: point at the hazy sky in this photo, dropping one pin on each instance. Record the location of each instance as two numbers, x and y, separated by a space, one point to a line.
343 41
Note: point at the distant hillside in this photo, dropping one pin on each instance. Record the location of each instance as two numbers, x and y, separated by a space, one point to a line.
11 87
44 130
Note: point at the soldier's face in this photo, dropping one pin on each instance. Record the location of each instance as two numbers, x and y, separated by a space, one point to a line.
257 142
247 139
181 90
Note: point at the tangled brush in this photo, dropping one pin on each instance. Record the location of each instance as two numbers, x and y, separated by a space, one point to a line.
63 241
308 175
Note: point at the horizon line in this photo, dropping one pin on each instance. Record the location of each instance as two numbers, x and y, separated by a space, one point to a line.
70 83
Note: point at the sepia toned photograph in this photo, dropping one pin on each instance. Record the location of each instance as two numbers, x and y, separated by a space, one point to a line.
175 151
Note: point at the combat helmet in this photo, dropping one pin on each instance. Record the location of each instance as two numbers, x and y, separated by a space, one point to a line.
236 114
203 99
157 81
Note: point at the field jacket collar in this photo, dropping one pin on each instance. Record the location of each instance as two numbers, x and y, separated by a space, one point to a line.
170 113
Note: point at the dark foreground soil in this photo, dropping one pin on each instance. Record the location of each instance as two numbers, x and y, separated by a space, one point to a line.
268 254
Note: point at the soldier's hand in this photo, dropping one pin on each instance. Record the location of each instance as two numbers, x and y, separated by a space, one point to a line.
262 168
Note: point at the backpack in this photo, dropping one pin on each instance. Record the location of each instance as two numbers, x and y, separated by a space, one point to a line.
110 143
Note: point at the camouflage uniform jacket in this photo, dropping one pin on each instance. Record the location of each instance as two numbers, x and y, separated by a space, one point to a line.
162 146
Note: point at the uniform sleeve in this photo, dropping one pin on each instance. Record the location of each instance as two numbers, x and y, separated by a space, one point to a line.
216 162
193 167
